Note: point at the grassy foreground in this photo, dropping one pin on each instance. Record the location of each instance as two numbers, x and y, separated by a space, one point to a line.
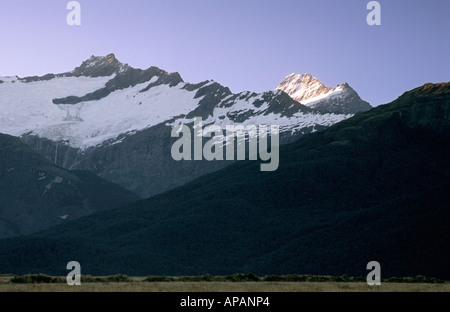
9 283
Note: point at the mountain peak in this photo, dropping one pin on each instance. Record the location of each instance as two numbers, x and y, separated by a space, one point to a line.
305 78
310 91
303 87
96 60
99 66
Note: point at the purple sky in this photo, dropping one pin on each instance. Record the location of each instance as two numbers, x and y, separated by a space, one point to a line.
242 44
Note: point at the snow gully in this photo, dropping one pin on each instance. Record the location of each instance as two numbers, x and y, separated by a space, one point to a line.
214 148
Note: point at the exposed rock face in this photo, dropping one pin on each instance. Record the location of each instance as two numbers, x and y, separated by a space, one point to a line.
99 66
35 194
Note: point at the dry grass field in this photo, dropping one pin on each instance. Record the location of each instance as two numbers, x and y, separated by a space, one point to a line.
137 284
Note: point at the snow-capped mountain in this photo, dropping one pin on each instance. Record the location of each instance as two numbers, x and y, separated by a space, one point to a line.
102 99
116 120
311 92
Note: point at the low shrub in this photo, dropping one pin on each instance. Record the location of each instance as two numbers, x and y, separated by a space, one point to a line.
36 279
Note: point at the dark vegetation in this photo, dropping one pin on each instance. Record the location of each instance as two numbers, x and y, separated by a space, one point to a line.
46 279
237 278
35 193
373 187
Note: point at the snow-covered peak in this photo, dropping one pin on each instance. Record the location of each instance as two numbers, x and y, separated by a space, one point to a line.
310 91
303 87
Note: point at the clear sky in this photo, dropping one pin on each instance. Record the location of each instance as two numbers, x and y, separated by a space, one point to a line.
243 44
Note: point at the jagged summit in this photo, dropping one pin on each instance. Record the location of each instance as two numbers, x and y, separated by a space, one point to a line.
95 66
310 91
99 66
303 87
106 66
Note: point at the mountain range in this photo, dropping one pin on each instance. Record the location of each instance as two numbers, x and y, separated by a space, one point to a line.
114 120
370 187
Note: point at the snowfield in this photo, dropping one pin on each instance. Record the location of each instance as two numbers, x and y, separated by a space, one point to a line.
28 108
